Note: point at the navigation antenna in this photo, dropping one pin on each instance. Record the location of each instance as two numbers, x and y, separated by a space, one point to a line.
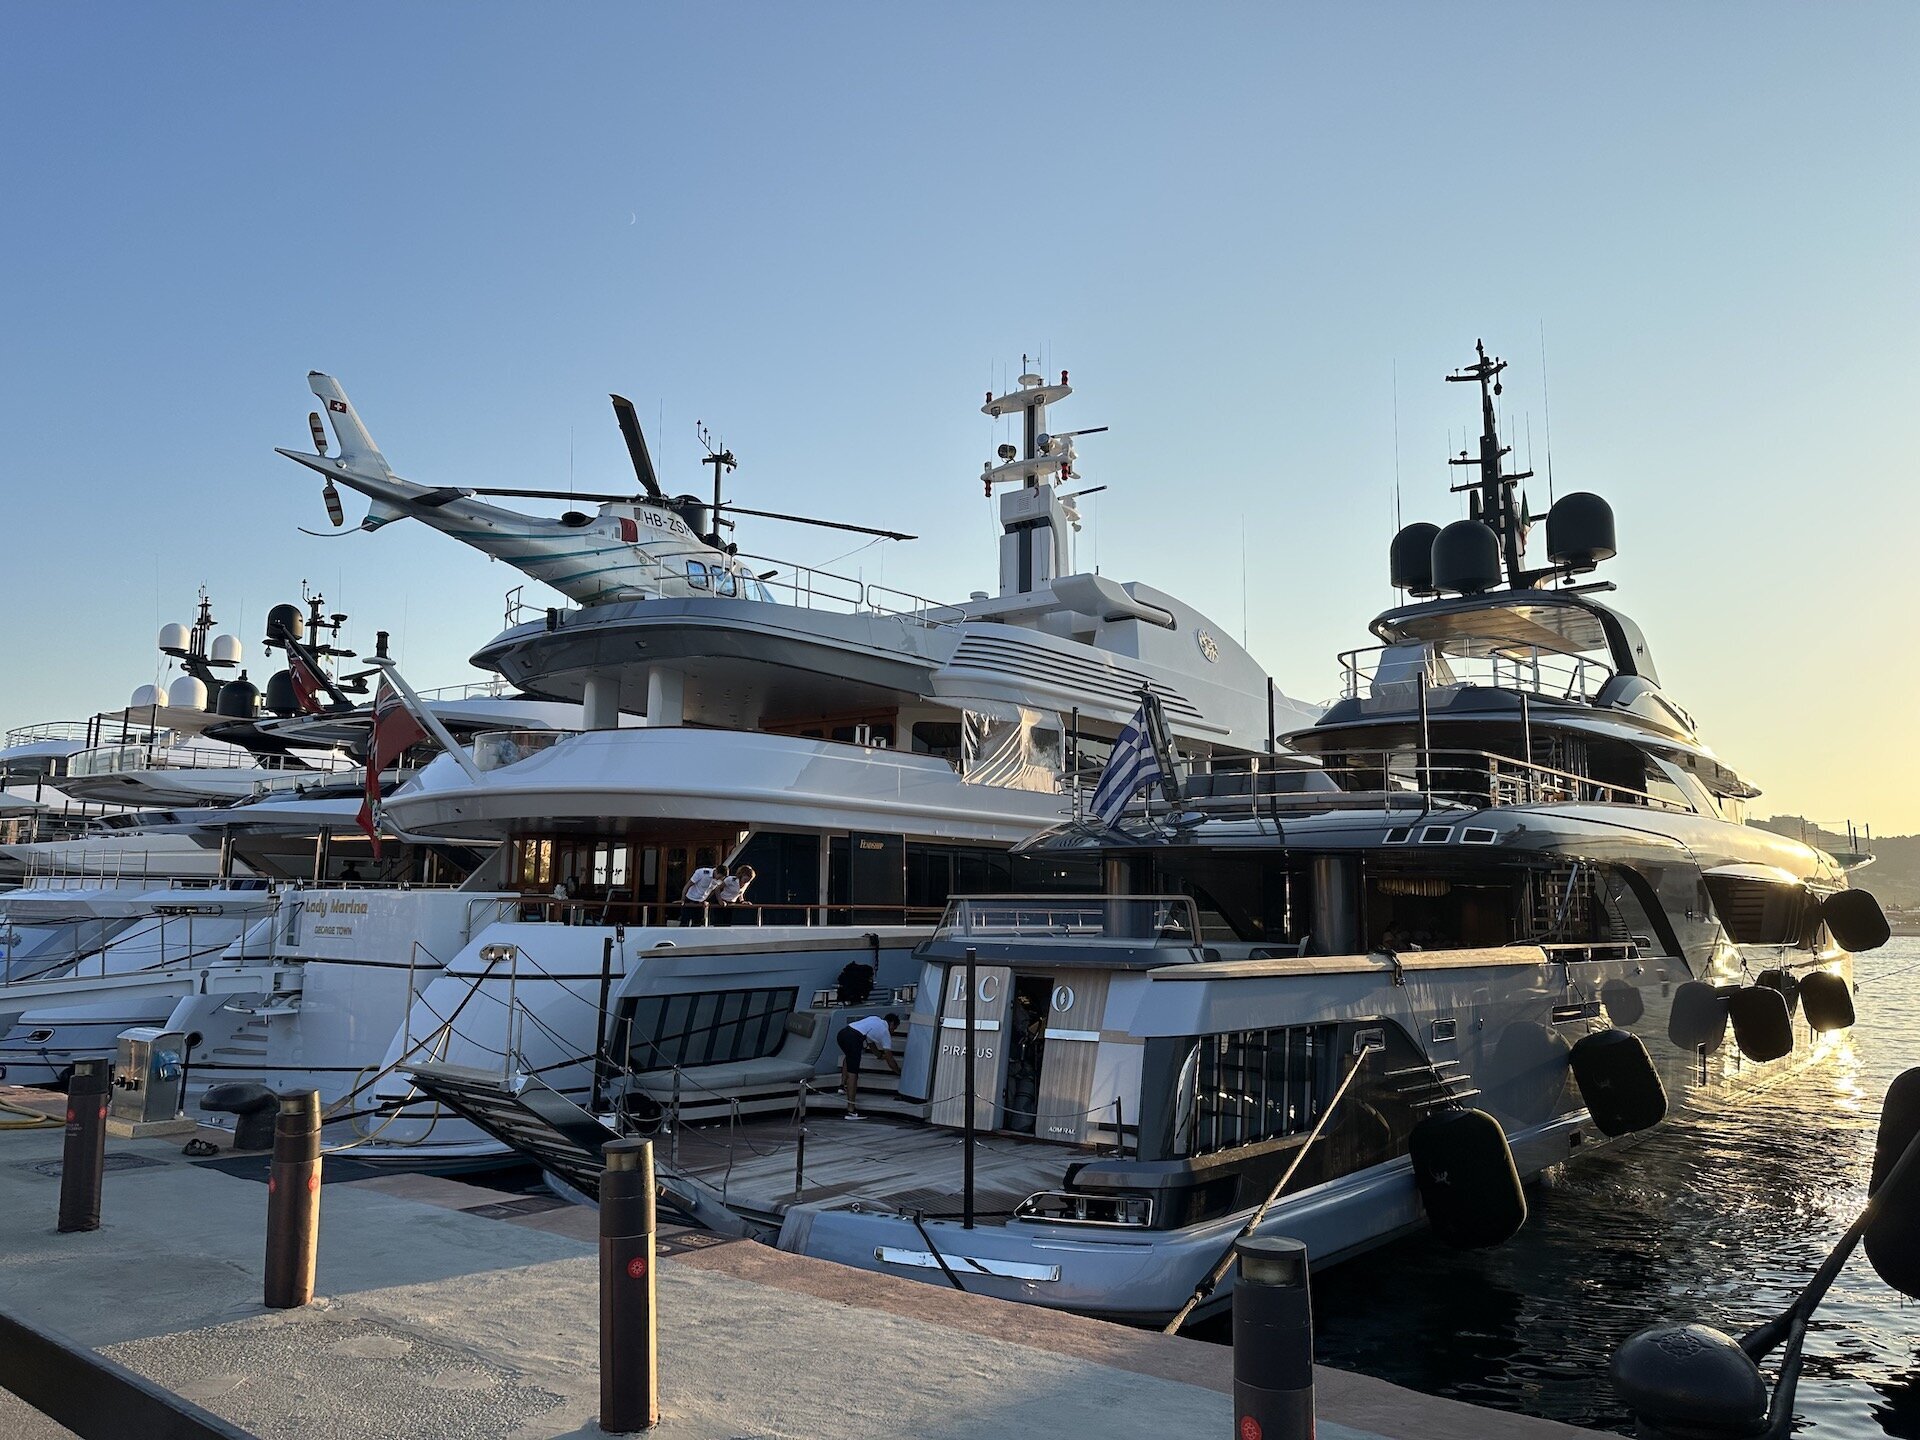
721 461
1491 498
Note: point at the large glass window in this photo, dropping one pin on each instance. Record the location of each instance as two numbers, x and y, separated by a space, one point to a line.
709 1028
938 737
1253 1085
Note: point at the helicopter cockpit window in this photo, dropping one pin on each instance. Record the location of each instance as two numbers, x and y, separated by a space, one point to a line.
723 581
697 574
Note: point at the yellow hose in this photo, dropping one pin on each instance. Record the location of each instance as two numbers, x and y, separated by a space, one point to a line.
29 1119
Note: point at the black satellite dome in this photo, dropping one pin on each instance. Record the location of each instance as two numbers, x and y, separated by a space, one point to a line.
1580 531
280 699
1466 558
284 622
239 699
1410 561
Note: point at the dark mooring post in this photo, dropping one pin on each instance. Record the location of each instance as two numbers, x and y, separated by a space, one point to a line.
293 1201
83 1156
602 1069
629 1326
967 1128
1272 1341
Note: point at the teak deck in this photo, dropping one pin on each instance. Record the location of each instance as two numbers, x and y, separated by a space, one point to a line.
906 1167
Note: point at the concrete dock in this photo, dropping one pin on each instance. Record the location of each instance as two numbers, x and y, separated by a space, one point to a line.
447 1310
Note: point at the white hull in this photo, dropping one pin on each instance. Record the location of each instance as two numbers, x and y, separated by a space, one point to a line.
770 782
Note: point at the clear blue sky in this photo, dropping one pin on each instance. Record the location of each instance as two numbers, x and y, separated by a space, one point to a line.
827 229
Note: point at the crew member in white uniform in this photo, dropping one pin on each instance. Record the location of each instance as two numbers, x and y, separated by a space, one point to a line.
871 1033
700 887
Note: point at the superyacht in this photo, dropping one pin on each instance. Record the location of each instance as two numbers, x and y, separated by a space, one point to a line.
866 753
1508 912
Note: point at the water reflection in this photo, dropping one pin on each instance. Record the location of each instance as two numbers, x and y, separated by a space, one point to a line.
1719 1219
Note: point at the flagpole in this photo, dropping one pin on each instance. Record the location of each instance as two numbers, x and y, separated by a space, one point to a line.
428 720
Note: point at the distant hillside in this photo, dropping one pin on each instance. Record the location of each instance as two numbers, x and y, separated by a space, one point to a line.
1894 875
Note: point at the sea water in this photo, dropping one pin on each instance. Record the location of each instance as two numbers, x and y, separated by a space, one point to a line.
1718 1217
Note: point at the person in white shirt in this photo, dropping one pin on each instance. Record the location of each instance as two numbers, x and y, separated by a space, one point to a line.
855 1040
733 891
700 887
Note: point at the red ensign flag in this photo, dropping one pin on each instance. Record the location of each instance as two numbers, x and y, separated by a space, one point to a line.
307 688
395 731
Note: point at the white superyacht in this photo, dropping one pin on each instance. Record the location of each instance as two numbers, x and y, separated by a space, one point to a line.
866 752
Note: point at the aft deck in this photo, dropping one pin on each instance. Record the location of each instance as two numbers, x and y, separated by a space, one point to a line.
881 1161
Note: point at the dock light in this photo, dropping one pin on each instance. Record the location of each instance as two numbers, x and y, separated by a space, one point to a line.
494 954
1268 1265
1273 1340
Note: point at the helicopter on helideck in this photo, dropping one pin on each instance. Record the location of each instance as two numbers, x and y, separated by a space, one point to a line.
638 546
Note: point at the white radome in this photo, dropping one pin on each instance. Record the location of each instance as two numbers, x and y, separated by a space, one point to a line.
174 637
144 698
188 692
226 650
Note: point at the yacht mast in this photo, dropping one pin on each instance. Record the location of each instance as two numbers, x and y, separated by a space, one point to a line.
1493 501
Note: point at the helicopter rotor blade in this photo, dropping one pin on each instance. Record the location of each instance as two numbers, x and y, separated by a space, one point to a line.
824 524
542 494
637 446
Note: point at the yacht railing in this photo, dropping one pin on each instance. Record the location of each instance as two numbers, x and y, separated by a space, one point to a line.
295 781
810 588
1549 674
1411 778
115 759
493 689
497 749
1155 919
639 914
805 587
50 730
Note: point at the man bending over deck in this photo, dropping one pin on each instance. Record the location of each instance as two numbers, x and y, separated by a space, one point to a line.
855 1040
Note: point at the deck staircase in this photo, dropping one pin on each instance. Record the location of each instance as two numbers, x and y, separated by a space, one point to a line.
526 1114
244 1047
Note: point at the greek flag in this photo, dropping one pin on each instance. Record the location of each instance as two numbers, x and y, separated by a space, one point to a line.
1133 765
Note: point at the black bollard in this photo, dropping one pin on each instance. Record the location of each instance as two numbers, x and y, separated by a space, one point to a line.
293 1201
83 1158
1272 1342
629 1332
